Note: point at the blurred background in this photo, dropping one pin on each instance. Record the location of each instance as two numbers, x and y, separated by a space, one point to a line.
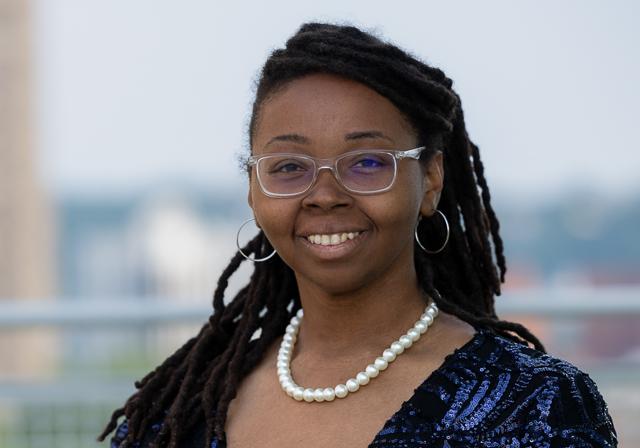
121 125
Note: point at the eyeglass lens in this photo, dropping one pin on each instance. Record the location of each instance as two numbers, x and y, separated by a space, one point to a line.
361 172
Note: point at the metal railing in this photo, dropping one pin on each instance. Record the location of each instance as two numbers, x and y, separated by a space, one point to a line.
552 302
97 348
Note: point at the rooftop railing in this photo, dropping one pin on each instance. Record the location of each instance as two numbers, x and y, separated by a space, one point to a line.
66 364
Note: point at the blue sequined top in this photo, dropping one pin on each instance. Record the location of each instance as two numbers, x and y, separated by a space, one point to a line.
492 392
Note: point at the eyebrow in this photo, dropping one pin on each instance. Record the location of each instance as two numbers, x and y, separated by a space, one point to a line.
297 138
367 134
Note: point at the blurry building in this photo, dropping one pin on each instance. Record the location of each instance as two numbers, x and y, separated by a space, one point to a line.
156 246
26 263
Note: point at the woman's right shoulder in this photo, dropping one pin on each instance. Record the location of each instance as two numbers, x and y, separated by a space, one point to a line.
119 439
120 435
196 438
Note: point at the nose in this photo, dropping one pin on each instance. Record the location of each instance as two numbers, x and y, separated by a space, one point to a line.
326 193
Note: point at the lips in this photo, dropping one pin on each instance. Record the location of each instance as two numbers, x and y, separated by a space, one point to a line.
334 246
331 239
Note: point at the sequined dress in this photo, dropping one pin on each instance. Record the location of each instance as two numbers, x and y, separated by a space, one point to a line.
492 392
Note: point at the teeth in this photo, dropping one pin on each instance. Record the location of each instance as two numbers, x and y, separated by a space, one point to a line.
333 239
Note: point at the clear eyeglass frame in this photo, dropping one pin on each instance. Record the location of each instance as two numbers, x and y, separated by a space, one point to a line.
332 165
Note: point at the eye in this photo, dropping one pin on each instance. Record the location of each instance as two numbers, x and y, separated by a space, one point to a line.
369 161
287 166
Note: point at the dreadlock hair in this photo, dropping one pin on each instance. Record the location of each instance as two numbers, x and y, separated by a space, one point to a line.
196 384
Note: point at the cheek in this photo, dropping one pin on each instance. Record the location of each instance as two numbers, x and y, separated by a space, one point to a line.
274 216
402 205
397 219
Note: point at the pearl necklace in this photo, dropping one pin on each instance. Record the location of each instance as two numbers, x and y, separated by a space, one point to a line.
309 395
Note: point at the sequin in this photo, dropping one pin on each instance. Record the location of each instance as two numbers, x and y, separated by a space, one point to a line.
491 393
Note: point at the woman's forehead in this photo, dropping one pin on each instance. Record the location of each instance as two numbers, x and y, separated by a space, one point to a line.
323 108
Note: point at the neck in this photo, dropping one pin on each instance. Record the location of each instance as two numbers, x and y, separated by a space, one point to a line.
359 322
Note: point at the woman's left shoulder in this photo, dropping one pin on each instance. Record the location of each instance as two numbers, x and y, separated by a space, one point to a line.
558 401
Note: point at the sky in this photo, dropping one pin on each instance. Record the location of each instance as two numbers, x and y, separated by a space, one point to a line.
135 93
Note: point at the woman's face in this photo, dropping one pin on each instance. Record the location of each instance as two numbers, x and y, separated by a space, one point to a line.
324 116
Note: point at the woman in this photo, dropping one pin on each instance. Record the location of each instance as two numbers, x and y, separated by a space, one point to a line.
375 220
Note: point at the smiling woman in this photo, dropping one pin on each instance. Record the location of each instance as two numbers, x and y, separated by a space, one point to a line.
369 319
347 124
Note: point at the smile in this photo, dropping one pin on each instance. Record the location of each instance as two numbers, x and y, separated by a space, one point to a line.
332 239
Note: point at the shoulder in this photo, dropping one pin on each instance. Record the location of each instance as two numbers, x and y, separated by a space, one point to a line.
195 440
501 390
119 439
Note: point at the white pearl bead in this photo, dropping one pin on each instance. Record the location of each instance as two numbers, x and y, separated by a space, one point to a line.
397 348
421 327
300 313
289 338
329 394
427 319
283 371
432 311
284 378
282 364
380 364
318 395
352 385
298 393
286 346
291 329
341 390
308 395
295 322
413 334
388 355
362 378
290 389
372 371
405 341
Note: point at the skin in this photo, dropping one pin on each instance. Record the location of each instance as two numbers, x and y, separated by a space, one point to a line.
357 298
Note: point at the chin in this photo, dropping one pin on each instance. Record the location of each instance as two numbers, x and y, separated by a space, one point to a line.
337 283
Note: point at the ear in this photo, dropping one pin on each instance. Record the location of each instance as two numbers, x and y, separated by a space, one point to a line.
250 202
432 184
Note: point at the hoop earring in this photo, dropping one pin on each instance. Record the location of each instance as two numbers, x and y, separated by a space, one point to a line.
256 260
446 239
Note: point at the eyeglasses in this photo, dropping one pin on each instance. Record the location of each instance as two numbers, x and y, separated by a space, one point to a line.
367 171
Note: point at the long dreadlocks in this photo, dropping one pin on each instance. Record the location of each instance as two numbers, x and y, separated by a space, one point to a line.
196 384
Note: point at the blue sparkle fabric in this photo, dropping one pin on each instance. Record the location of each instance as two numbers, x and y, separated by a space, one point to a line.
493 393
